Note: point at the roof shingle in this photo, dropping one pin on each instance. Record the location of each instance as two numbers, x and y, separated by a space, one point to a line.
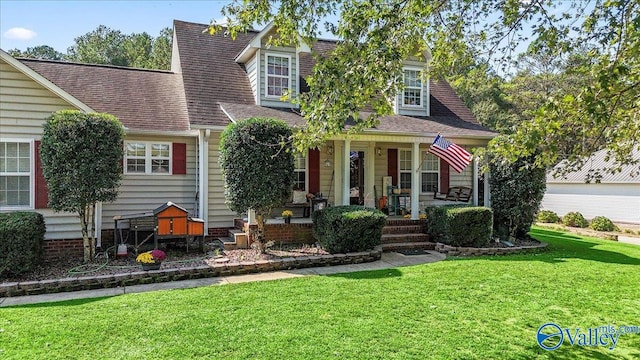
142 99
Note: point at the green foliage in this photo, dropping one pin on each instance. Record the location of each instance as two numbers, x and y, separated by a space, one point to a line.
547 216
343 229
438 220
43 52
377 37
21 242
82 163
601 223
470 226
574 219
107 46
459 225
257 164
516 192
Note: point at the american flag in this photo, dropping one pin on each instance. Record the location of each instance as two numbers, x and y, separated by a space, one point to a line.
453 154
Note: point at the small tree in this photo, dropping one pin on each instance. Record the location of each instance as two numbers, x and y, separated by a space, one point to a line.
257 165
516 192
82 164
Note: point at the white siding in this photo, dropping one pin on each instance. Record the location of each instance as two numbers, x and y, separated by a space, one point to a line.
219 215
327 184
252 73
24 107
618 202
143 193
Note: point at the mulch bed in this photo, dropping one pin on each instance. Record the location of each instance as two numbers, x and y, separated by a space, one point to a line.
176 259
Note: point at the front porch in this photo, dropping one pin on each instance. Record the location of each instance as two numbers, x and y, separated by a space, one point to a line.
398 234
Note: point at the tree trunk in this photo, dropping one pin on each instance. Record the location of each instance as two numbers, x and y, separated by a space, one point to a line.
88 241
260 232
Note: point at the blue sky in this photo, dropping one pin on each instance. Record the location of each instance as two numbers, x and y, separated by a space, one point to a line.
25 23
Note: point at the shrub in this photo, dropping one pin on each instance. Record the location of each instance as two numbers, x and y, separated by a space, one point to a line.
602 223
516 192
343 229
437 220
574 219
547 216
21 242
471 226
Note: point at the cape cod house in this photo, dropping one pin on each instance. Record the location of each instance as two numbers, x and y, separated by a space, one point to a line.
173 119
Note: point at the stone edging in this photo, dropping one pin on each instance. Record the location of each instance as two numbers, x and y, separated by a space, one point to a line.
196 272
469 251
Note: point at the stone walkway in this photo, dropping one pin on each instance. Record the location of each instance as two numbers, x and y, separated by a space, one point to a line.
389 260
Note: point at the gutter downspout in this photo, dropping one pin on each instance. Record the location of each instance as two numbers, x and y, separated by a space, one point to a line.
203 181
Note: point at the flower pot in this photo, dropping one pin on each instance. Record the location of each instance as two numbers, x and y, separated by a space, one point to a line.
155 266
287 220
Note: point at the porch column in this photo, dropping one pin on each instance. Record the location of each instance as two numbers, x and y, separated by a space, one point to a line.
337 172
475 182
346 172
487 190
98 224
369 177
415 182
203 180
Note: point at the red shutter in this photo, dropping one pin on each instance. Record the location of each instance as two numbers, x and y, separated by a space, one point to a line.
444 176
179 158
392 165
314 171
42 197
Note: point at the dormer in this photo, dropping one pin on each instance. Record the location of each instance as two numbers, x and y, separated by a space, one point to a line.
413 100
273 71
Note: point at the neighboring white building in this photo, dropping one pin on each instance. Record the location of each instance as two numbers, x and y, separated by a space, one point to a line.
616 196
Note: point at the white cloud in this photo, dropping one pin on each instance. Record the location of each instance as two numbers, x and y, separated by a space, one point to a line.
19 33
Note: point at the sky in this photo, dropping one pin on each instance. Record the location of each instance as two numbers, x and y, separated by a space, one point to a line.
26 23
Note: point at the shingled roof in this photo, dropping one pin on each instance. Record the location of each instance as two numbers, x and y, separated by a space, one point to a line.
150 100
214 81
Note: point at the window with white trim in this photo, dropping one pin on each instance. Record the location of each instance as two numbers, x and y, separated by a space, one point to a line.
429 173
15 174
300 173
404 168
277 75
412 94
142 157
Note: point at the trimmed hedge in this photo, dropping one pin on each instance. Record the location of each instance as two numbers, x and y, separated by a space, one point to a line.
601 223
460 226
21 242
343 229
575 219
547 216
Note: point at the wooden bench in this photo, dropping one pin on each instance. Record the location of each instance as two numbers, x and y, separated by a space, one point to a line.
455 193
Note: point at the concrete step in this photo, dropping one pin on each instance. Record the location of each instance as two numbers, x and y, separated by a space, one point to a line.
228 243
402 229
408 245
239 237
402 238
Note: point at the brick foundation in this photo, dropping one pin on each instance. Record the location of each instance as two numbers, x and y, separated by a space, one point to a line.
62 249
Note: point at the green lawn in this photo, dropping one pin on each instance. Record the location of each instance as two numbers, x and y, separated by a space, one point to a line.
467 308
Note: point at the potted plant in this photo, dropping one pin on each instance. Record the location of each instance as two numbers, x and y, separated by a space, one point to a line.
286 215
151 260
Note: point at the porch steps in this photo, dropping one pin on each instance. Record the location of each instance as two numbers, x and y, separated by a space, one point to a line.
236 239
403 238
400 234
408 246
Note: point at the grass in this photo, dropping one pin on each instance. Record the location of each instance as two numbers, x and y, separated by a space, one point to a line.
465 308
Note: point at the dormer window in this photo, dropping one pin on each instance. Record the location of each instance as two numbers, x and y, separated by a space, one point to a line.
412 95
277 74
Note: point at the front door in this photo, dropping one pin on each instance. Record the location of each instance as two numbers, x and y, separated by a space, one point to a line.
356 177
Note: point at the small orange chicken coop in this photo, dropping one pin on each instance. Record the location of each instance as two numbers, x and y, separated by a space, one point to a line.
168 221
